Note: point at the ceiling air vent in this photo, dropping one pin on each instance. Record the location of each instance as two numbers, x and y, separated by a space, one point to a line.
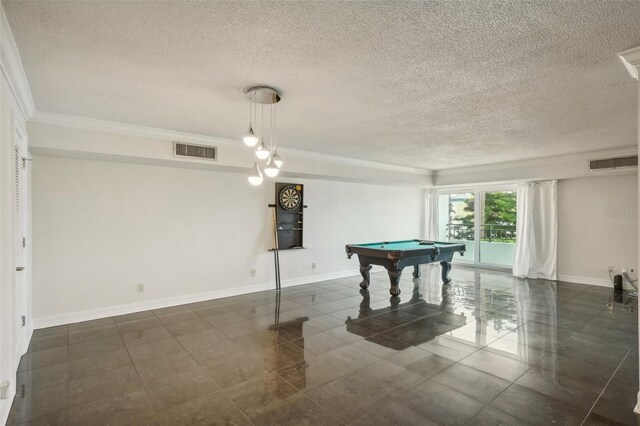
195 151
613 163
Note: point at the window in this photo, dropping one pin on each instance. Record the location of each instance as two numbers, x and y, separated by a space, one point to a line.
484 220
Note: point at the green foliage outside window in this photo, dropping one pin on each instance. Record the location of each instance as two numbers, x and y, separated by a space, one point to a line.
498 216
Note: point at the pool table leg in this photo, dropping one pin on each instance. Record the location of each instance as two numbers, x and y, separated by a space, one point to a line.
416 271
446 267
394 276
366 278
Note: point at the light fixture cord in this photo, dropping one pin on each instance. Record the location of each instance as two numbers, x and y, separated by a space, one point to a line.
272 126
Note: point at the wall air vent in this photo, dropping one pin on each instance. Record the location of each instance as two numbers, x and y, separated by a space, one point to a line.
613 163
195 151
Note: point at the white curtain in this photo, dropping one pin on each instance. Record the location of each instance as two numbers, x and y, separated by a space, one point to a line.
431 215
536 230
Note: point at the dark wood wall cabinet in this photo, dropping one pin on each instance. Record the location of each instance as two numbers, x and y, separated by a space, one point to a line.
289 220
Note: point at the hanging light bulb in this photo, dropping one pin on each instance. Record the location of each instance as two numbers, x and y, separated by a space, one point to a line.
271 170
262 152
276 158
255 178
250 139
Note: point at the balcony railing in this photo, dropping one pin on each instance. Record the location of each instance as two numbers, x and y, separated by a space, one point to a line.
488 232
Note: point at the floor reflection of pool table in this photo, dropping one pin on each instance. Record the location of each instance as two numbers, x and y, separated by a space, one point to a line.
395 255
435 319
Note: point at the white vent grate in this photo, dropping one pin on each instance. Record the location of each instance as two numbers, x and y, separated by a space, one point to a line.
195 151
613 163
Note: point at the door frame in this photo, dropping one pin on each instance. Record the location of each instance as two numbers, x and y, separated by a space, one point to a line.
22 258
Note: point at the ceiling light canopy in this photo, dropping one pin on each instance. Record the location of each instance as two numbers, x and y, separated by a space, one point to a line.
258 97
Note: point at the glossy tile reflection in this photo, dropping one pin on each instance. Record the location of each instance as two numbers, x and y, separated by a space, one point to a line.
485 349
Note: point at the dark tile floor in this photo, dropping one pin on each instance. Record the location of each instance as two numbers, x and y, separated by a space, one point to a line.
486 350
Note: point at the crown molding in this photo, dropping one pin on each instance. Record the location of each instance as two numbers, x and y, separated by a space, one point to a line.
631 60
558 159
336 159
85 123
559 167
12 68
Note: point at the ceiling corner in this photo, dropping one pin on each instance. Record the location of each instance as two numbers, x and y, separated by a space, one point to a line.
12 68
631 60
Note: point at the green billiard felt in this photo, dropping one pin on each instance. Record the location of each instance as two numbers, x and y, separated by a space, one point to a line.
399 245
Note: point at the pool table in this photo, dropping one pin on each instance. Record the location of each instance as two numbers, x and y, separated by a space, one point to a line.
395 255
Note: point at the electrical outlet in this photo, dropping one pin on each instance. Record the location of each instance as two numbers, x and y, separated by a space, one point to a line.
253 272
313 265
140 288
610 268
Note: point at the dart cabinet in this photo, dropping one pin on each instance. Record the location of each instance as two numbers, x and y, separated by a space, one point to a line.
289 215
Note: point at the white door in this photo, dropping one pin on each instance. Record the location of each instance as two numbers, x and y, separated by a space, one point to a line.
21 210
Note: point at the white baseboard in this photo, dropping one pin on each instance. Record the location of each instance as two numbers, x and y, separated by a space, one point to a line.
585 280
72 317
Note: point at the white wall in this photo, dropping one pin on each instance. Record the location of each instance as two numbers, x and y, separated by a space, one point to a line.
101 227
597 227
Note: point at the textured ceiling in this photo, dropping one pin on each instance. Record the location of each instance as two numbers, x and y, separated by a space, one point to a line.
424 84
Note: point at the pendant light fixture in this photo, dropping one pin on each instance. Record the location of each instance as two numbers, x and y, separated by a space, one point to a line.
271 169
276 158
255 178
262 152
263 95
250 138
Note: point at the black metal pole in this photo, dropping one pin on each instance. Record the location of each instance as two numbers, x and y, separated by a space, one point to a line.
276 251
275 265
278 284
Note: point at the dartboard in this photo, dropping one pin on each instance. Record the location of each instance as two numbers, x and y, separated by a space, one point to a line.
289 198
